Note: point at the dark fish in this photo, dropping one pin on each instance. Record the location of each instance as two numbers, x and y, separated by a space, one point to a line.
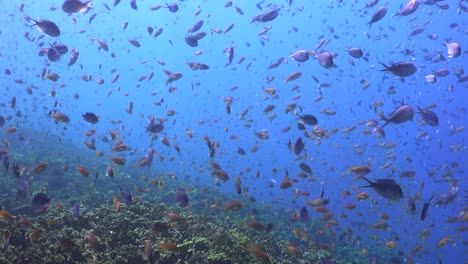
305 168
372 3
325 59
126 196
300 56
133 5
411 205
153 127
386 188
6 163
53 54
441 72
199 35
61 48
90 117
48 27
74 6
301 126
2 121
195 27
401 114
304 215
75 211
269 15
355 52
425 209
240 151
191 41
378 15
298 146
181 197
40 201
172 7
402 69
429 117
308 119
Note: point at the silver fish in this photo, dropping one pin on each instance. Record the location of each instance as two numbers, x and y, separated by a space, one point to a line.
409 8
453 49
300 56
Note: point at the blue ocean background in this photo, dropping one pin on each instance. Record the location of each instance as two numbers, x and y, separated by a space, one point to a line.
439 156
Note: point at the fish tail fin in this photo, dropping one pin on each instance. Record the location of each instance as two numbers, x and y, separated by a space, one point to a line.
420 109
385 66
362 177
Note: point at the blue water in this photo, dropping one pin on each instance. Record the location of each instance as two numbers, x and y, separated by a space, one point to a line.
199 106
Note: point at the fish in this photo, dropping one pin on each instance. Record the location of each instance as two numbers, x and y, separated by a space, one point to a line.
47 26
5 163
74 6
74 57
109 171
411 205
300 55
172 7
40 201
230 54
425 209
269 15
400 115
386 188
196 26
378 15
126 196
325 59
355 52
90 117
75 211
133 5
453 49
402 69
181 197
293 76
429 116
154 127
298 146
23 190
409 8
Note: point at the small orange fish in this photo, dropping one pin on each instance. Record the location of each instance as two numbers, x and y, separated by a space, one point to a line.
443 241
117 205
391 244
36 234
118 160
82 170
11 130
384 216
5 214
360 170
362 196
